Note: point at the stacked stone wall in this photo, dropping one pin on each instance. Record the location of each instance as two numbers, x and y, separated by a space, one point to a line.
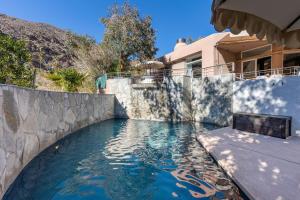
32 120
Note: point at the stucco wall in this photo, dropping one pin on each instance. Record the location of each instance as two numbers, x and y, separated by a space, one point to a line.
204 45
121 88
32 120
179 68
276 95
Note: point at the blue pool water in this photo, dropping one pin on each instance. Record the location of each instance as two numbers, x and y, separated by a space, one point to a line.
125 159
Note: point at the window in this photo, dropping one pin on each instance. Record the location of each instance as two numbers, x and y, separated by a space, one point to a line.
194 67
290 60
249 68
257 67
260 64
264 66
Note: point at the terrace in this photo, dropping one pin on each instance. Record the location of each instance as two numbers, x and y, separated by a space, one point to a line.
216 118
221 54
157 75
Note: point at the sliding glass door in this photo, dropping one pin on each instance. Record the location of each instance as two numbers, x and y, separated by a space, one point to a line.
249 69
264 66
257 67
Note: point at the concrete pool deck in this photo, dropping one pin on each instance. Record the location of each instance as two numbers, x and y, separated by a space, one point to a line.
265 168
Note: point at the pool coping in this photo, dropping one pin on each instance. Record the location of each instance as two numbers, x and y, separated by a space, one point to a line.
233 179
234 150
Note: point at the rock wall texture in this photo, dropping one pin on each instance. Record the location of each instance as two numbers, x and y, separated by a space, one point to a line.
212 99
277 95
164 102
176 99
32 120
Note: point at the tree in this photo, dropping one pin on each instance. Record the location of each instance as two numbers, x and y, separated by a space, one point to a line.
128 36
14 62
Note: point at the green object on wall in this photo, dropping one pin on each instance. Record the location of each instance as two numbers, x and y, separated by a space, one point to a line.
101 81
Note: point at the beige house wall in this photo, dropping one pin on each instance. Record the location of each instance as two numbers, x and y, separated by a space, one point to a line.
277 57
204 46
238 67
224 56
213 57
178 68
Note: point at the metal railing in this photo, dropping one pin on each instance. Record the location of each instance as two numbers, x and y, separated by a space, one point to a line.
198 72
285 71
159 74
119 75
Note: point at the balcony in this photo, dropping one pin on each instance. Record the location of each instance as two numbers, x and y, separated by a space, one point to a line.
157 76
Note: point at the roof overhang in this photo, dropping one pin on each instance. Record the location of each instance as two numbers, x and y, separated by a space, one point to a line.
239 44
278 21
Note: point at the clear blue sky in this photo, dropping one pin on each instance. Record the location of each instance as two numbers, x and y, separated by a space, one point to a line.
171 18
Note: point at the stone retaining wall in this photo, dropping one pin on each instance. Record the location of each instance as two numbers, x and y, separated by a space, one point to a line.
212 99
177 98
32 120
164 102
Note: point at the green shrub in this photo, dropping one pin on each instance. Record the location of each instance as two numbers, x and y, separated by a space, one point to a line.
14 62
68 79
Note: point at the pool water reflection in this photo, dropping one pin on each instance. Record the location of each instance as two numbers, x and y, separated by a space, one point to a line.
125 159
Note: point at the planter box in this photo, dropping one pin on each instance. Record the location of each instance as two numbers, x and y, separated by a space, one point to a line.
271 125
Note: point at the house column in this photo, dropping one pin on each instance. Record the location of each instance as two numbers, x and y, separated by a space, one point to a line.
277 57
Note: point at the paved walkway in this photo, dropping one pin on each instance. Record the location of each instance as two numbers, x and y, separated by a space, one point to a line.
265 168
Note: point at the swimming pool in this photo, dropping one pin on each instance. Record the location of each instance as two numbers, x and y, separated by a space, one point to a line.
125 159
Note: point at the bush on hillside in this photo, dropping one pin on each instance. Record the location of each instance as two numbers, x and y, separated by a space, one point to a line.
68 79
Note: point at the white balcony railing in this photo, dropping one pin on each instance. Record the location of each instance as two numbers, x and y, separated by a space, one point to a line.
220 70
195 72
285 71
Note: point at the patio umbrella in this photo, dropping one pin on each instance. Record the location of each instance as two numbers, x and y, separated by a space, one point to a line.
151 64
277 20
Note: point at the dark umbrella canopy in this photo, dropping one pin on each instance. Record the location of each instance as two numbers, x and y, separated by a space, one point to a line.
277 20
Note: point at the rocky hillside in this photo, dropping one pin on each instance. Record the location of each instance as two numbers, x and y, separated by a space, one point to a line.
52 47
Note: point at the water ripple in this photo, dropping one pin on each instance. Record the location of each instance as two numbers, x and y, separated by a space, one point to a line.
119 159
